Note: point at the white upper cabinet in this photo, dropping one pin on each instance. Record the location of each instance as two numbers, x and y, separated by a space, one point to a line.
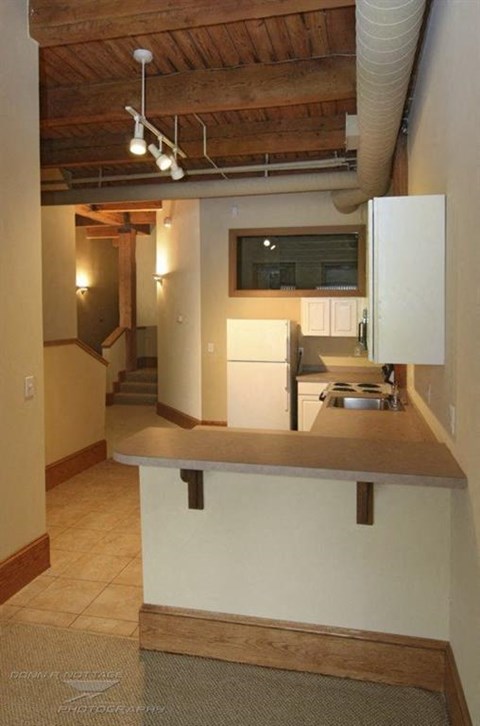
406 251
343 317
334 316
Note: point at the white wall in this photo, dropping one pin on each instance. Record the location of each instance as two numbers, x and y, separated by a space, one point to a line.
58 273
22 481
178 300
444 156
290 548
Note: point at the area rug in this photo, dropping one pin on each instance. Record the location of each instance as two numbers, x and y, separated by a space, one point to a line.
52 676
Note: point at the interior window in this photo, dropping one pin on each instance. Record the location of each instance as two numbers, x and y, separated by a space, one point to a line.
315 261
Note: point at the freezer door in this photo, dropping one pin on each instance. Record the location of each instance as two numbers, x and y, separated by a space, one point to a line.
258 395
258 340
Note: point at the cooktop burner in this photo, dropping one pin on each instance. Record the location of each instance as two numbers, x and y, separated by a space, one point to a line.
375 386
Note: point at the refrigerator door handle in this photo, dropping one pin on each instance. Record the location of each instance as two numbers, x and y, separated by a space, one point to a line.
287 388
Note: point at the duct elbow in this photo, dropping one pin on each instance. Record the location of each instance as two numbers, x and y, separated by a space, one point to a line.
348 201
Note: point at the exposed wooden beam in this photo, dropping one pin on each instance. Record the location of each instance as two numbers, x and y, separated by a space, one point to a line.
107 232
244 139
142 206
225 89
60 22
86 210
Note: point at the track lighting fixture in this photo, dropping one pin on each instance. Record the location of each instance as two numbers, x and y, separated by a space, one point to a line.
163 161
176 172
138 145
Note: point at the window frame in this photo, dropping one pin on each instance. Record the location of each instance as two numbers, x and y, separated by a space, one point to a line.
235 234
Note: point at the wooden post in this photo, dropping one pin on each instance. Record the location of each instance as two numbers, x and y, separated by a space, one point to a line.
127 293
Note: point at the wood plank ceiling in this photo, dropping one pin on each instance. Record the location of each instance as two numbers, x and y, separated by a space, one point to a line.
267 82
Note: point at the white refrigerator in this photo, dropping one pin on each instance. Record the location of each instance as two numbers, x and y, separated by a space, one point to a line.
260 386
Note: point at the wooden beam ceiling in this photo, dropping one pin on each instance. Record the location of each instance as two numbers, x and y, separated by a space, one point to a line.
248 87
270 137
62 22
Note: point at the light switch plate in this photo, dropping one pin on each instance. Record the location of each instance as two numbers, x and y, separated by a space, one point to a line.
29 388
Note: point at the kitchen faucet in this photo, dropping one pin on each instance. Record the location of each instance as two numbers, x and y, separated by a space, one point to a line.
393 397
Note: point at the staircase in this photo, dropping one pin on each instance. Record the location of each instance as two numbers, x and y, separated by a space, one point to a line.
138 388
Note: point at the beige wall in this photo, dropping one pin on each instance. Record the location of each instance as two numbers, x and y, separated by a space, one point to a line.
58 273
178 300
22 481
217 217
444 157
97 309
146 249
75 386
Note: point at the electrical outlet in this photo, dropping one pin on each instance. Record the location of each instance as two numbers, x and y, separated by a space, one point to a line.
453 415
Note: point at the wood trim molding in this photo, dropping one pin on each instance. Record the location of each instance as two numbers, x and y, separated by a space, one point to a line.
177 417
454 695
63 469
213 423
362 655
113 337
23 566
80 343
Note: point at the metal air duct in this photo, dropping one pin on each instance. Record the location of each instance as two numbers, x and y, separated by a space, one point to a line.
387 37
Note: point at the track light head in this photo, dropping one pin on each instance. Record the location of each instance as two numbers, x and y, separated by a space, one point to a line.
138 145
176 172
163 161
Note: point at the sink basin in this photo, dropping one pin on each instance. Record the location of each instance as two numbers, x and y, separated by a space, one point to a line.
363 403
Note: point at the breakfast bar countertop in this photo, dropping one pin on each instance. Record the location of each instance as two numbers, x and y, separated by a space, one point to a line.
294 453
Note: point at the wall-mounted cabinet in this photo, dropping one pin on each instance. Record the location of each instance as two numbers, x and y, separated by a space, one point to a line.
406 248
337 317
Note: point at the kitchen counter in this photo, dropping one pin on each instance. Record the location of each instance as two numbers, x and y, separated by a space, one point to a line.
414 462
403 425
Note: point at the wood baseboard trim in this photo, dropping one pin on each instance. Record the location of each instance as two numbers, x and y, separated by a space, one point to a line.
214 423
177 417
362 655
454 695
23 566
63 469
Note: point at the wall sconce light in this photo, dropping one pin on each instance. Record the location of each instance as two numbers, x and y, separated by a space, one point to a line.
158 278
82 289
167 222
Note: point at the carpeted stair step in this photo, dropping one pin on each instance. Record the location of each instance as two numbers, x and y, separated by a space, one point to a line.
138 387
147 375
135 399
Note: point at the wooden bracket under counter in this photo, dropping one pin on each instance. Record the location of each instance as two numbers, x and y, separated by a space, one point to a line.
292 453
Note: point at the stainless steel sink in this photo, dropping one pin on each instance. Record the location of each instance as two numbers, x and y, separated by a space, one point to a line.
363 403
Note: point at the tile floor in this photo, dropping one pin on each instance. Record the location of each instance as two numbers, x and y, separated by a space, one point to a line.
93 519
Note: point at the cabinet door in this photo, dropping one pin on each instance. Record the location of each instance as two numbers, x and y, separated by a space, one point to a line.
315 316
407 279
308 408
343 317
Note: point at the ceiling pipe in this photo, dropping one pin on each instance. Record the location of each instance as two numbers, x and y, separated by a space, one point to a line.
319 182
387 38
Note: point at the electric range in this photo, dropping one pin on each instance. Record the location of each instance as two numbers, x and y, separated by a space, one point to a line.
345 387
